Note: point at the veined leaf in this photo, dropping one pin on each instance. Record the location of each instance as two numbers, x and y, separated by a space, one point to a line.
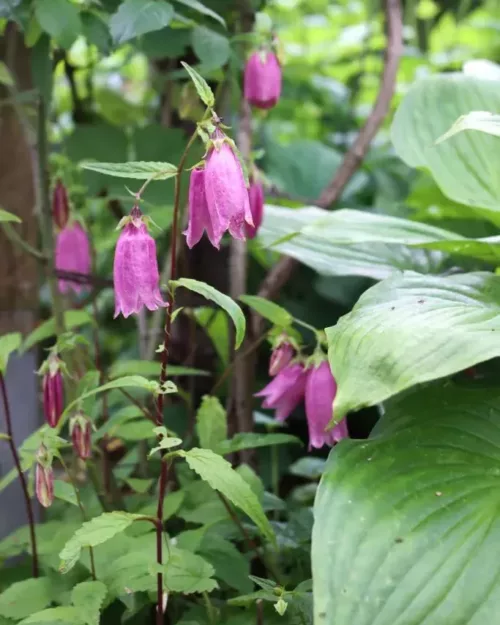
8 343
62 615
188 573
481 121
411 329
140 170
211 423
267 309
13 601
202 87
223 478
89 597
138 17
225 302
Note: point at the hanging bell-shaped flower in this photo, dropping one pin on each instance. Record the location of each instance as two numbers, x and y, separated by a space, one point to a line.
53 389
80 429
262 79
72 254
44 477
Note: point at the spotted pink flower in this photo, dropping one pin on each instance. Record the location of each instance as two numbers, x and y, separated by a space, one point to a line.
320 392
262 80
256 199
135 272
285 391
73 255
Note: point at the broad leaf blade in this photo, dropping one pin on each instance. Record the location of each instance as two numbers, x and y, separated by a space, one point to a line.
411 329
482 121
252 440
211 423
60 19
188 573
13 601
141 170
267 309
8 343
225 302
201 8
89 597
138 17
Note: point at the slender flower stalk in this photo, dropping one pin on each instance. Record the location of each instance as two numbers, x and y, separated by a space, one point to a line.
22 478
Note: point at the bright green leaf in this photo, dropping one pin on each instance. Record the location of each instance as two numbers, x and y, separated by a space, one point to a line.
223 478
62 615
8 343
187 573
140 170
138 17
5 75
14 603
230 565
139 485
149 368
72 319
481 121
225 302
92 533
202 87
411 329
64 491
211 422
214 323
89 597
252 440
201 8
267 309
60 19
211 48
5 216
409 519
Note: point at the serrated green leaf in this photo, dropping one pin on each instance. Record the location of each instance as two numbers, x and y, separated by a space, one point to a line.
64 491
92 533
138 17
149 368
72 319
465 167
230 565
140 170
5 216
252 440
89 597
201 8
188 573
267 309
223 478
8 343
409 519
211 422
62 615
13 601
225 302
411 329
206 94
60 19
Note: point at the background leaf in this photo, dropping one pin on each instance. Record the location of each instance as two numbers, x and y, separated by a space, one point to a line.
72 319
137 17
5 216
8 343
211 422
141 170
13 601
88 597
60 19
267 309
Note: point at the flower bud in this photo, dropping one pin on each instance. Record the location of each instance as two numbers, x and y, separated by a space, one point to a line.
135 270
256 199
285 391
321 389
262 80
72 254
281 356
60 205
225 190
80 429
44 477
53 393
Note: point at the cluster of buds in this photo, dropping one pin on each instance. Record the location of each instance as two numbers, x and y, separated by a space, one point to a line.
44 477
295 381
80 429
53 388
135 271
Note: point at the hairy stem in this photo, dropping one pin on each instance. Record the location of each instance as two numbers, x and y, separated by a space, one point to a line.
22 479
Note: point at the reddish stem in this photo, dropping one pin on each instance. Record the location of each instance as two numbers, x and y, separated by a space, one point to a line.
22 479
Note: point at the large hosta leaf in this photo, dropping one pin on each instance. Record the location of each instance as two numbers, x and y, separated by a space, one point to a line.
282 229
465 166
407 524
411 329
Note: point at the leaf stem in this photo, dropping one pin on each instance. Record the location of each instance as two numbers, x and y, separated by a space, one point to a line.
22 479
299 322
212 617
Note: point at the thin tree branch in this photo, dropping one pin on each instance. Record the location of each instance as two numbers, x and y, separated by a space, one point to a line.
281 272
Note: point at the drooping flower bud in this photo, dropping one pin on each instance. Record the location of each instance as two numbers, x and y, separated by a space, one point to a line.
281 356
80 429
60 205
44 477
225 191
72 254
53 390
135 271
200 218
285 391
262 80
320 393
256 199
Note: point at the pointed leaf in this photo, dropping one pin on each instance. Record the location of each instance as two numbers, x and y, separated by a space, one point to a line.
211 423
411 329
201 8
141 170
149 368
481 121
8 343
252 440
72 319
6 216
206 94
13 600
62 615
267 309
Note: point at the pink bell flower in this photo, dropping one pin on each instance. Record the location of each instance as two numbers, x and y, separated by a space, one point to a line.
81 436
60 205
285 391
200 218
72 254
320 392
53 392
44 478
281 356
262 80
256 199
135 270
